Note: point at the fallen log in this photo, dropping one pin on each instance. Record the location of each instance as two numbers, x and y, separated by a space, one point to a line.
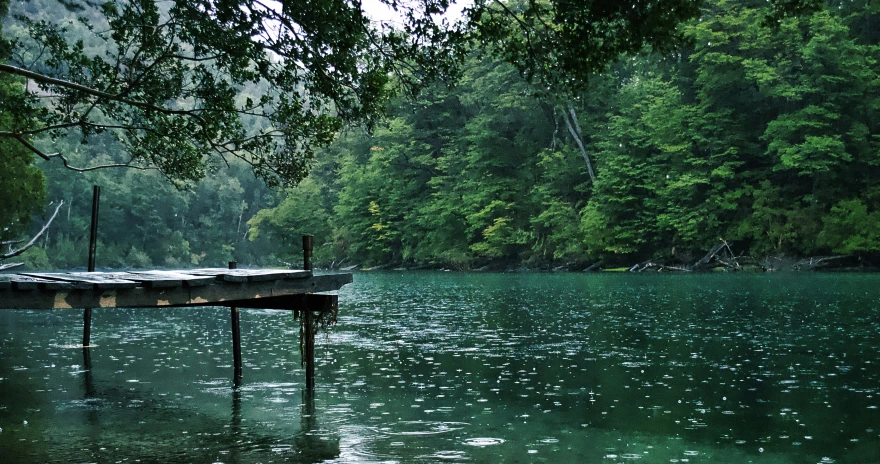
674 268
593 267
704 261
643 265
816 262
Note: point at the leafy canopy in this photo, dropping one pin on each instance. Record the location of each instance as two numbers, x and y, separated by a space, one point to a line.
184 84
22 186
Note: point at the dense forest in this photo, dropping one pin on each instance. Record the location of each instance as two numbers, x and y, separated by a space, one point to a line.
763 137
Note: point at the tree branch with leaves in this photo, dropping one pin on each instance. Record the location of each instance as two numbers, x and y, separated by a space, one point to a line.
192 84
184 85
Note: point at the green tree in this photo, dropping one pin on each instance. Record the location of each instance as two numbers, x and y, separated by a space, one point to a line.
851 229
22 185
764 135
502 140
799 99
165 77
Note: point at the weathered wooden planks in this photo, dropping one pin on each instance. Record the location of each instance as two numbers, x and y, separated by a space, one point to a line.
169 278
101 280
26 282
132 279
55 294
250 275
98 280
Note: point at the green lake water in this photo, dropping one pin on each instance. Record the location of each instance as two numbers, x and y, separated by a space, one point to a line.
430 367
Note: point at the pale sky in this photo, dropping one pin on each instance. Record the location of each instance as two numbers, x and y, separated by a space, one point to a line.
380 12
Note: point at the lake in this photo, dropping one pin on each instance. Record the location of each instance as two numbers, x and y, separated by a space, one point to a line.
447 367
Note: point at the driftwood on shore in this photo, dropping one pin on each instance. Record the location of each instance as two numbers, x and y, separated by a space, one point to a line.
817 262
703 263
721 256
594 267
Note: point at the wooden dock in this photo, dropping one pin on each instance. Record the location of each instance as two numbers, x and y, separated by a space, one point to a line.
293 290
268 289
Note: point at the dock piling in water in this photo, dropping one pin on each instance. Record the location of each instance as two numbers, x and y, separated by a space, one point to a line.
236 335
93 247
309 328
87 327
308 321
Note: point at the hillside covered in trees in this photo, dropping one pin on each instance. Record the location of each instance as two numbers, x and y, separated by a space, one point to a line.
764 136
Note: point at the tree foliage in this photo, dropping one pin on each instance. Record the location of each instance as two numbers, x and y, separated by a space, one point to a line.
765 136
166 79
22 186
756 123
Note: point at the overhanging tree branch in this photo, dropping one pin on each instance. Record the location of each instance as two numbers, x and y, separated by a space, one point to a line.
94 92
67 164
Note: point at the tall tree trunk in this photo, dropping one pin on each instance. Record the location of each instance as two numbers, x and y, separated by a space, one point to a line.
575 129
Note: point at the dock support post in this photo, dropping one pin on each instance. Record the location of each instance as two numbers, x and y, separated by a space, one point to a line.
236 337
87 327
309 326
308 321
308 244
93 246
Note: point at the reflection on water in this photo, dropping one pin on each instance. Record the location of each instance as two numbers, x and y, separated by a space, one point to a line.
441 367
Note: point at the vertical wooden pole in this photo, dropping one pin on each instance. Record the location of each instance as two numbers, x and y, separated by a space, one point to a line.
236 337
87 313
308 420
308 321
93 246
87 327
89 381
308 243
93 236
235 426
309 334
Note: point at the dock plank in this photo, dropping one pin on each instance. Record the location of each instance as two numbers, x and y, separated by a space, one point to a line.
169 279
255 294
251 275
97 279
24 282
258 275
225 275
131 276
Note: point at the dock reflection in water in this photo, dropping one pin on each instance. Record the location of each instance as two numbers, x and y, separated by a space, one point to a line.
430 367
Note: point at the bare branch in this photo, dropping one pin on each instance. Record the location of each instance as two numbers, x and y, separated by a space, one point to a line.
67 165
95 93
32 148
14 253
